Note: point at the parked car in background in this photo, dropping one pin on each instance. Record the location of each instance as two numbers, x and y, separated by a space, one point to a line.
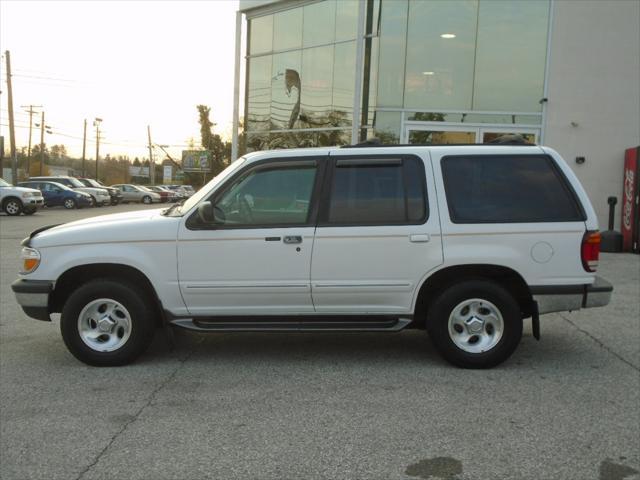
17 200
56 194
180 192
165 194
137 193
189 190
114 193
99 195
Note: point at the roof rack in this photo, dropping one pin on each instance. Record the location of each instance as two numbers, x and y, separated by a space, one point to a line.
510 139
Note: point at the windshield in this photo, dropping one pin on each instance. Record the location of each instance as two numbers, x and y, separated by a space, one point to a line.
75 182
4 183
91 182
143 188
206 190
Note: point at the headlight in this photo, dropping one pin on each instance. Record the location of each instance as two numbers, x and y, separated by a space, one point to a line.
29 194
30 260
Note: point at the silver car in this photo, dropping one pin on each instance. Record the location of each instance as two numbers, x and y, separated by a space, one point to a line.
137 193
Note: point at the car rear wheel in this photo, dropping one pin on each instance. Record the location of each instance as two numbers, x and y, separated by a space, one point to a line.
12 206
146 199
475 324
106 322
70 204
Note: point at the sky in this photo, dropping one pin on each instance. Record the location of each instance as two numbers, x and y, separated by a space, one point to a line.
131 63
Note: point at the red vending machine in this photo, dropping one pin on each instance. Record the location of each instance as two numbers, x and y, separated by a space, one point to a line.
630 224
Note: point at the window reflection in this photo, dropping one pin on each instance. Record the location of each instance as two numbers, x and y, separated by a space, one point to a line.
319 23
259 93
261 35
287 29
317 87
286 90
511 55
391 66
440 70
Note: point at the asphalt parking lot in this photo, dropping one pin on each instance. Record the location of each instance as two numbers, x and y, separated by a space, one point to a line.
298 406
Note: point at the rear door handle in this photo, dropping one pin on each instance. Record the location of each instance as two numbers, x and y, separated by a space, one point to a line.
292 239
419 237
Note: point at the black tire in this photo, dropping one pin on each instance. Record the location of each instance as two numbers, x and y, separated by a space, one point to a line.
114 202
29 212
94 202
146 200
12 206
441 309
132 298
69 203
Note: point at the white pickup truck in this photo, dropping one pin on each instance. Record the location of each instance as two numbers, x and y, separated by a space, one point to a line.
462 241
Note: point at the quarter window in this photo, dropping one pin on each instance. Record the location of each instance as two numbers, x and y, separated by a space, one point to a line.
507 189
380 191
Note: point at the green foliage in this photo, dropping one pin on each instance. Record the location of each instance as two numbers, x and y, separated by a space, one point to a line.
211 141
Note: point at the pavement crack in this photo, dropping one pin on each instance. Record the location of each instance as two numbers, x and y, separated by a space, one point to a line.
599 342
136 415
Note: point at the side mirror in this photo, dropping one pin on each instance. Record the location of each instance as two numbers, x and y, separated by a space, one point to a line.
210 214
205 212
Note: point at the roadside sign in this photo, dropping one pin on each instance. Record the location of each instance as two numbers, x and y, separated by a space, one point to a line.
196 160
167 174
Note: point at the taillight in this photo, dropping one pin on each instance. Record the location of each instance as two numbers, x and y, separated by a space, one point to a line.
590 250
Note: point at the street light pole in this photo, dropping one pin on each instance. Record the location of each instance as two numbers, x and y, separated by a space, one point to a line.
96 123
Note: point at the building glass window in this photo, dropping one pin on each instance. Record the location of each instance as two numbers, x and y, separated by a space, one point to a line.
510 55
319 23
259 93
261 37
393 41
440 54
317 87
346 20
286 92
344 78
287 29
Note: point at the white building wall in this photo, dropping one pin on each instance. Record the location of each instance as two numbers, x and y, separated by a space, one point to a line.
594 82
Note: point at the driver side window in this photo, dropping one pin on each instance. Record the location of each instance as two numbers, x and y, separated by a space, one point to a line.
268 196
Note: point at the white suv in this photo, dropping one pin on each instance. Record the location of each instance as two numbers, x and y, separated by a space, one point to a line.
17 200
463 241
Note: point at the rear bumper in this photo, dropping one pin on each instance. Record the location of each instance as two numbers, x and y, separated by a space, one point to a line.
562 298
33 297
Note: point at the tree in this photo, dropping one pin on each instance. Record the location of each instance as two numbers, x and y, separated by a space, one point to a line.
210 141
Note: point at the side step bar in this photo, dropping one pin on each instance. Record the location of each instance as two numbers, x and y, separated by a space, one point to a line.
299 325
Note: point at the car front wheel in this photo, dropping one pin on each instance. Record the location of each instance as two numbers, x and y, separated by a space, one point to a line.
106 322
475 324
69 204
12 207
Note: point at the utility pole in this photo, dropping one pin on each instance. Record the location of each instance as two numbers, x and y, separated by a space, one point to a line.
42 144
152 166
12 128
31 112
84 147
96 123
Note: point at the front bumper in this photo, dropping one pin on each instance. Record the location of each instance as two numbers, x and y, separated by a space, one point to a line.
33 297
33 203
563 298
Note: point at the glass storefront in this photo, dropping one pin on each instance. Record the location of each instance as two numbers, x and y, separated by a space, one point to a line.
433 71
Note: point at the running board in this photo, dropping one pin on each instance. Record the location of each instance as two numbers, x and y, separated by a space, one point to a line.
241 325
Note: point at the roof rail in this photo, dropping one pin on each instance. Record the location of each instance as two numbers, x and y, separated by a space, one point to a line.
507 139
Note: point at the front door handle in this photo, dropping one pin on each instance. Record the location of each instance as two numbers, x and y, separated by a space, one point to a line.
292 239
419 237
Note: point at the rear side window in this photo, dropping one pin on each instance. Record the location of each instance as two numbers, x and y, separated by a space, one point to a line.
507 189
378 191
